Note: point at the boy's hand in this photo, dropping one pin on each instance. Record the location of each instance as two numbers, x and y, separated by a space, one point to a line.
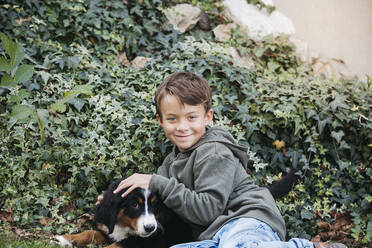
132 182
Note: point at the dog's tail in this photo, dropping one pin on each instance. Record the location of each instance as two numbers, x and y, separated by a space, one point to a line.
284 185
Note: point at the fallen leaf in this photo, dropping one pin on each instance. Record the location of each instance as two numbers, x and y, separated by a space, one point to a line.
7 215
45 221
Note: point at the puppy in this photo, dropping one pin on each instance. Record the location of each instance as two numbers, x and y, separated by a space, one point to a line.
139 220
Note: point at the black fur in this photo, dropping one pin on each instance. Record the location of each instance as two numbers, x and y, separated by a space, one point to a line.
281 187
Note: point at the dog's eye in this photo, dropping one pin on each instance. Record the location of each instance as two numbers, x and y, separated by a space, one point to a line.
135 205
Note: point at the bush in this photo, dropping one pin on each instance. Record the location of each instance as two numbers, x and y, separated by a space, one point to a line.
95 118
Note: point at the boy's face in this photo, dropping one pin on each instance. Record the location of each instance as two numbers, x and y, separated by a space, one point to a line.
183 124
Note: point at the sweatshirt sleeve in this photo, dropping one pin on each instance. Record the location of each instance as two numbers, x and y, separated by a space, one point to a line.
213 183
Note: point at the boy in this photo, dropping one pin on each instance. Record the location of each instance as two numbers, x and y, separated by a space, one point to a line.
204 181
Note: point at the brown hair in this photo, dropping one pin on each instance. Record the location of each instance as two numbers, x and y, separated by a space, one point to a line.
188 87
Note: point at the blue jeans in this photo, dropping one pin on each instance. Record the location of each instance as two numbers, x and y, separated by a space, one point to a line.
246 233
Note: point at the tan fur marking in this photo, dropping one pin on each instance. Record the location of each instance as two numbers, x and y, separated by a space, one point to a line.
153 199
140 201
86 238
125 221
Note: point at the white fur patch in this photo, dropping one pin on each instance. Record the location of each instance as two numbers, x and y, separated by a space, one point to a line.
62 241
146 219
121 233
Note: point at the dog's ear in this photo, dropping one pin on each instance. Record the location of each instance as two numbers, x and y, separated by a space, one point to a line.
106 212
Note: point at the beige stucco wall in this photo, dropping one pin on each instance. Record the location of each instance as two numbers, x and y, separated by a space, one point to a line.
334 28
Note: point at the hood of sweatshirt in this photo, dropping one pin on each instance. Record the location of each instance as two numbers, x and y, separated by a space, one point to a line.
221 135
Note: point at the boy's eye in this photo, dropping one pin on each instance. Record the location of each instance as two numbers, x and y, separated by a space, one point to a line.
171 119
192 117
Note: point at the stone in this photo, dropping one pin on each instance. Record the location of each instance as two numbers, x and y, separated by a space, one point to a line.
204 22
183 17
258 23
245 61
139 62
122 59
223 31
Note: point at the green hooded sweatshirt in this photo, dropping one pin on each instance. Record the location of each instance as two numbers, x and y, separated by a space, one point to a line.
207 185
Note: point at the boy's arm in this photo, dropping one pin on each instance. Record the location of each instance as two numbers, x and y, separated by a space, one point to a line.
213 184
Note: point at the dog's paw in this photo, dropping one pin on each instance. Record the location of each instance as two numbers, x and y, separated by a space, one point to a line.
62 241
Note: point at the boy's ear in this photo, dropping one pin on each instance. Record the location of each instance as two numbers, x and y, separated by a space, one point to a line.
159 119
208 116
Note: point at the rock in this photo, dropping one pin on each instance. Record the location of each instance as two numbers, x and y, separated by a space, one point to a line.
139 62
244 61
183 17
204 21
258 23
223 31
122 59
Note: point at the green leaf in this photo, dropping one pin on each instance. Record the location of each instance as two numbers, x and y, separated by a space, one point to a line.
259 51
323 123
23 93
80 89
41 116
8 82
337 135
59 106
272 66
338 102
20 112
23 73
13 49
44 75
4 65
77 103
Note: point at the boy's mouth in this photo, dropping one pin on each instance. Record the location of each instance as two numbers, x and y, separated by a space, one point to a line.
182 136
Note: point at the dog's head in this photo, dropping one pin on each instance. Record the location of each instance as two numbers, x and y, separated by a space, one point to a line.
136 214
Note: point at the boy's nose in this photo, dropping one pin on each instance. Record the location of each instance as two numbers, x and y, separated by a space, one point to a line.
181 126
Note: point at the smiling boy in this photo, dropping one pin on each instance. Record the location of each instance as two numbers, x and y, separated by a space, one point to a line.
204 179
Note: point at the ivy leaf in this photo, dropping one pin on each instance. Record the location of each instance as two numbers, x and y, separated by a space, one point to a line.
44 75
77 103
23 73
338 102
13 49
343 164
4 65
69 187
59 106
306 214
259 51
272 66
322 123
337 135
40 115
80 89
20 112
8 82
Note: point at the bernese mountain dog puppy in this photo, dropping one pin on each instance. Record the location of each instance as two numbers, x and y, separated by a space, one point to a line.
141 220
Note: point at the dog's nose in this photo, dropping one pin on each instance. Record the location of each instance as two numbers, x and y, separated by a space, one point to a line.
149 228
